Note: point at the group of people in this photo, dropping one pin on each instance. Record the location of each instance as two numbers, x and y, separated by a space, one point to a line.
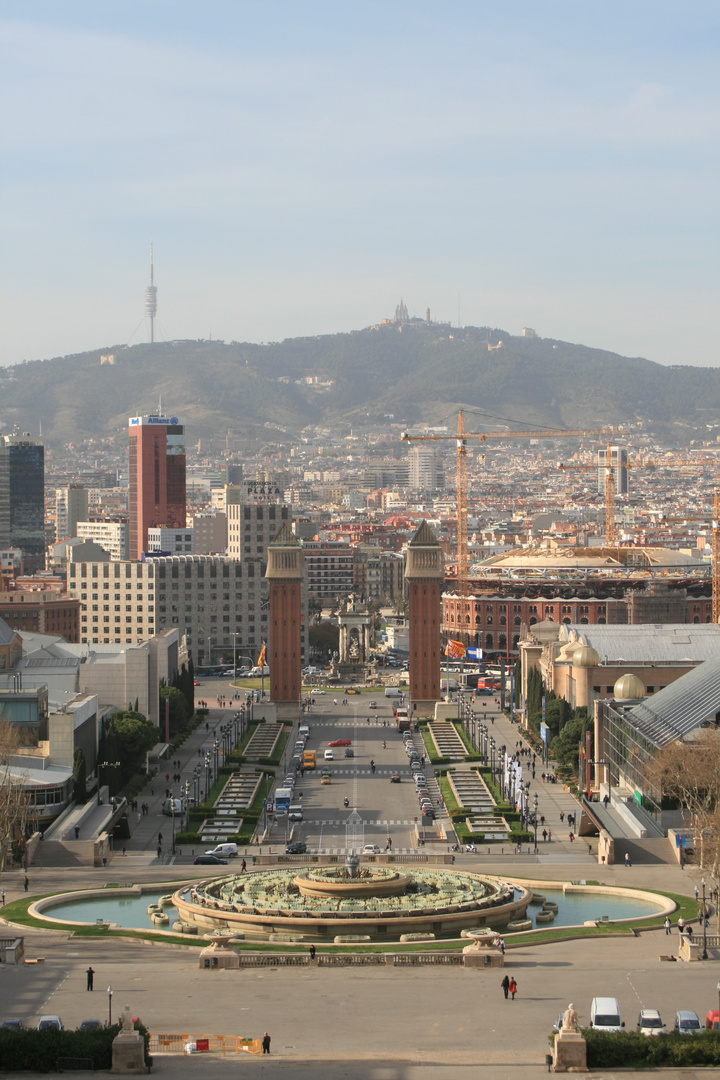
509 986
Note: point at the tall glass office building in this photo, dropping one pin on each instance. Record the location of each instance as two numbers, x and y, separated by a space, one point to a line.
22 497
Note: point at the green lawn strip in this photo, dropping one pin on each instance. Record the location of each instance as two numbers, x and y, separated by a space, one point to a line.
430 748
472 752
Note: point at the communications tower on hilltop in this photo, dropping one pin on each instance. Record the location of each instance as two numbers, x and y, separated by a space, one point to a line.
151 298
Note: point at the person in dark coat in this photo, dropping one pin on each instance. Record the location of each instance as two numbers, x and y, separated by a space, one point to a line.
506 986
266 1043
90 974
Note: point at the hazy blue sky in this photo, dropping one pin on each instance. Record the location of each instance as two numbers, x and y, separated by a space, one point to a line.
301 165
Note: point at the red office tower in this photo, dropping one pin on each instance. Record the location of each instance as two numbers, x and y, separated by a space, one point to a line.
425 575
285 573
157 477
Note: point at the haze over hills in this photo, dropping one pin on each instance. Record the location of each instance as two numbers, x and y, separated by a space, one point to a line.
415 371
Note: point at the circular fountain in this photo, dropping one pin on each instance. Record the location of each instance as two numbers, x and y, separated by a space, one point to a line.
372 902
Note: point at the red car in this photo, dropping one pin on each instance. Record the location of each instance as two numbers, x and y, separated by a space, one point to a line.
341 742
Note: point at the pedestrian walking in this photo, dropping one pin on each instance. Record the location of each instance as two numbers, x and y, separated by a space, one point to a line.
627 858
544 835
312 952
513 987
90 975
266 1043
243 867
159 851
2 897
549 835
697 894
667 924
506 986
681 925
26 883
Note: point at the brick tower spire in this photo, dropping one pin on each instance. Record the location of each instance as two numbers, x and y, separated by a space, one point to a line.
425 575
285 573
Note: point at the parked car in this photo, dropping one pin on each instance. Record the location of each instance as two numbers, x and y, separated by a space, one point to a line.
371 849
687 1022
296 847
372 705
395 779
650 1022
90 1025
13 1025
50 1022
210 860
349 752
316 692
329 756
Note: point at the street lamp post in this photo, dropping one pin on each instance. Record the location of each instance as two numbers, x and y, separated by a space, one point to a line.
535 808
109 994
172 815
187 804
704 952
215 747
207 773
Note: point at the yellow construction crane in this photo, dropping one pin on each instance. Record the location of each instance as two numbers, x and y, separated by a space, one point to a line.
461 441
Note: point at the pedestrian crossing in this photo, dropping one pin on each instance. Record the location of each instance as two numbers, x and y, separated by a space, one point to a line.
363 771
366 822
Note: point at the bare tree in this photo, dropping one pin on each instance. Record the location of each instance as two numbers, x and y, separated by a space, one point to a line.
15 808
689 771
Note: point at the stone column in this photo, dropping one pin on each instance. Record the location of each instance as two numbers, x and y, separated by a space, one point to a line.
285 573
425 575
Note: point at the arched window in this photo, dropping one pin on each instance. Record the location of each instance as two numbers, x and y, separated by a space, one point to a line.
696 619
584 620
533 620
478 620
601 620
502 642
516 638
503 620
517 621
488 641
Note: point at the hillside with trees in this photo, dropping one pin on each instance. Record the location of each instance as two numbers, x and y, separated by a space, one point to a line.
413 372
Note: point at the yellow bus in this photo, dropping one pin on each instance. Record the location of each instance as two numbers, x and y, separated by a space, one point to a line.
308 759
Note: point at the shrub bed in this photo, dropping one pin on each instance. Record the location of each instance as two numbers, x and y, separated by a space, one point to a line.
631 1050
42 1051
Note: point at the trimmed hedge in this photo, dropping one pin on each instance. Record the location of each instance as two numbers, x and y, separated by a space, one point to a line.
40 1051
631 1050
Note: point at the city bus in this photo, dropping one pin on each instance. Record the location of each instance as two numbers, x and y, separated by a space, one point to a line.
403 718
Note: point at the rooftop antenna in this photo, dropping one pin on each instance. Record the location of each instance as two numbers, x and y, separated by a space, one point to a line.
151 298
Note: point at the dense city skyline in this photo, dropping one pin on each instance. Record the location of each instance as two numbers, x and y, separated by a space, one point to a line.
299 169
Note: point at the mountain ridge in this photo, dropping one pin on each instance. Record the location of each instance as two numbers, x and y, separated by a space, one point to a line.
415 372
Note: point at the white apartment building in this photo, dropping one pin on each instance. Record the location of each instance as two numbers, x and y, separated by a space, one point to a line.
113 536
117 601
163 540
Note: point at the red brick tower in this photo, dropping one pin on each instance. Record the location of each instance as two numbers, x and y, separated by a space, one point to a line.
157 477
285 573
425 575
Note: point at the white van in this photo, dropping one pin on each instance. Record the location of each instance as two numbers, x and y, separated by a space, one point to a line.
605 1014
304 731
295 813
223 851
393 691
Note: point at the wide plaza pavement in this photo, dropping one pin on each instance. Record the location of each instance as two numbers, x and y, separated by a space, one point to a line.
385 1024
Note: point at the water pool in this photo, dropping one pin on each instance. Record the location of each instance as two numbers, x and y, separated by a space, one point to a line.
130 912
575 908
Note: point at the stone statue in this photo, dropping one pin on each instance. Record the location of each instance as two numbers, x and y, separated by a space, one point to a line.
570 1019
127 1024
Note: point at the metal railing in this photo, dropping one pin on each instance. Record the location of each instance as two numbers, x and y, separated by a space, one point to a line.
216 1044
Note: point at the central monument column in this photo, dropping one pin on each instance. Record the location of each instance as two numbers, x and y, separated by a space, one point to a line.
425 576
285 574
